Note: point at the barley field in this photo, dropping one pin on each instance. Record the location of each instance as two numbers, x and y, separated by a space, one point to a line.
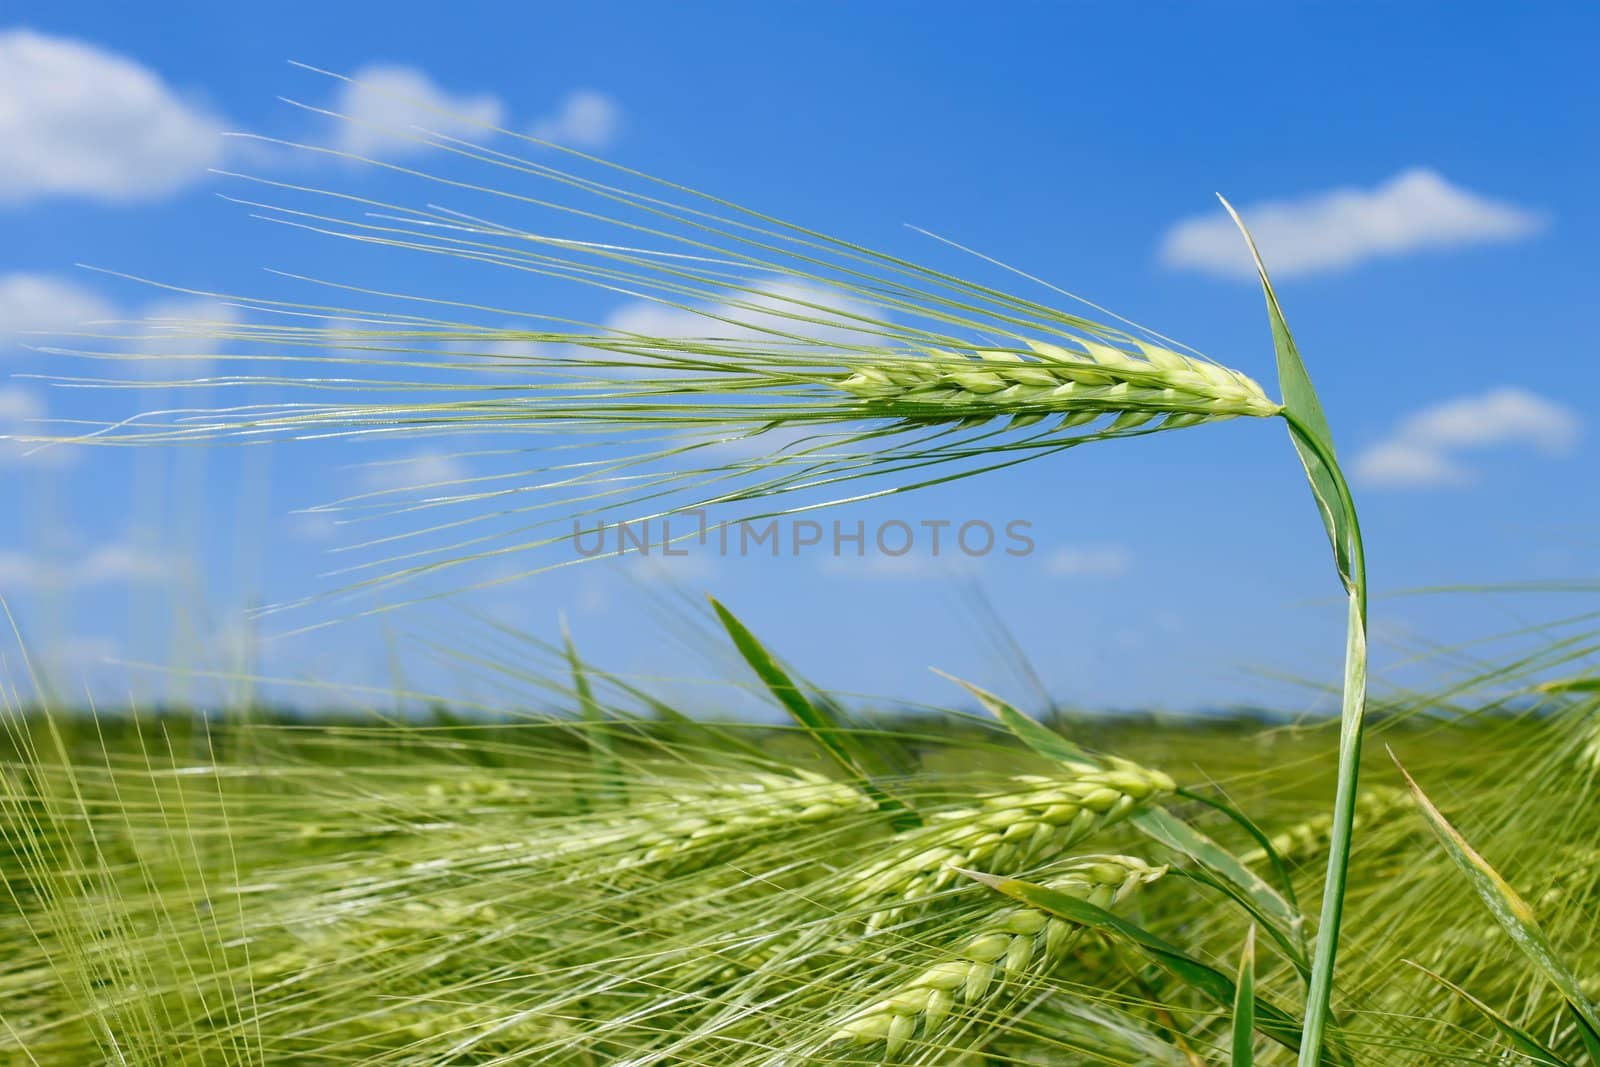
608 880
605 873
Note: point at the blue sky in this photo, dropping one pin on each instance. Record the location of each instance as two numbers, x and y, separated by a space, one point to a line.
1421 177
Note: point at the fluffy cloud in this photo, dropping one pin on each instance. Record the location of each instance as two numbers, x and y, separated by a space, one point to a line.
422 470
178 337
1105 561
585 119
21 415
913 566
384 102
77 120
42 304
669 570
772 307
109 564
1424 450
120 563
20 410
1411 212
174 337
390 109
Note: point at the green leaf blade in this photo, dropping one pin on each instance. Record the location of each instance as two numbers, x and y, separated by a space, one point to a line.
1519 1038
1309 430
1244 1004
1271 1020
1513 914
1039 738
1266 905
601 749
845 749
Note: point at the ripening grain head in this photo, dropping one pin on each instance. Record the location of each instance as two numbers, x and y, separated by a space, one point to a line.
1038 820
1008 947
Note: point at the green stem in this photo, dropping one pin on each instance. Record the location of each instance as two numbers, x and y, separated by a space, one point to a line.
1352 718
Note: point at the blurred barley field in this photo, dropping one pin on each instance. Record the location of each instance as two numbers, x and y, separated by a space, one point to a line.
609 880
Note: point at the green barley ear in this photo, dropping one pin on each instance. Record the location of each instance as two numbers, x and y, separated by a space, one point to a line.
1008 948
1307 840
1136 386
1035 822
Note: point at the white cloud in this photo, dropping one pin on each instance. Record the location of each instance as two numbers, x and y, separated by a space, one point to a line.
178 337
311 526
1399 463
1415 210
585 119
1424 449
173 336
1104 561
20 410
84 651
118 563
21 414
422 470
77 120
774 311
185 317
17 569
384 102
18 405
916 566
43 304
500 343
669 570
109 564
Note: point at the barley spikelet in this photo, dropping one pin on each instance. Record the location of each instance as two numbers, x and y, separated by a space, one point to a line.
1081 386
727 817
1010 946
1308 840
1006 832
665 829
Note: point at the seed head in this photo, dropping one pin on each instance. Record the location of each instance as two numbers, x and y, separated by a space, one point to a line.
1009 946
1053 380
1006 832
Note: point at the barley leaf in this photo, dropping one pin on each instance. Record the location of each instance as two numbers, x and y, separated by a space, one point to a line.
1313 440
1571 685
1520 1039
1287 901
609 772
1244 1004
1513 914
1038 737
845 749
1590 1036
1263 902
1271 1020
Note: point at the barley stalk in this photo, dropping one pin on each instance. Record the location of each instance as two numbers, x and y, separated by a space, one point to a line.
1005 832
1009 946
